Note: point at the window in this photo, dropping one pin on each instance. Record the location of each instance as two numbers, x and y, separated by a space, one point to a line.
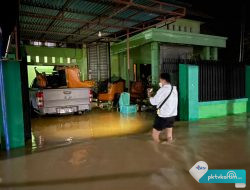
36 43
185 29
191 30
179 28
61 59
173 27
28 58
45 59
37 59
68 60
53 60
50 44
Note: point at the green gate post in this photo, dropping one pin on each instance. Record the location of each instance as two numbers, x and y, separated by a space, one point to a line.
188 92
248 87
14 110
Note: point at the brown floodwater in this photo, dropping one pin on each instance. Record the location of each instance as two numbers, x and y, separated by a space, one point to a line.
104 150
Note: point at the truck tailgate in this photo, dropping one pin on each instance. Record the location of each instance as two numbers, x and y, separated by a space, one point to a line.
65 97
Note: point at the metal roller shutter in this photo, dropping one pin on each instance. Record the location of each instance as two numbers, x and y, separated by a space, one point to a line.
93 63
98 62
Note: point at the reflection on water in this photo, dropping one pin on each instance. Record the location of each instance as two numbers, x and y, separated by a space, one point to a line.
72 128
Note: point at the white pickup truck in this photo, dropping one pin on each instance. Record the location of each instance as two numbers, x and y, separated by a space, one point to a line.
60 100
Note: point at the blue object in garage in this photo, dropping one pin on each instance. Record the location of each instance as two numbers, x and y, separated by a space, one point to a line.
124 104
3 117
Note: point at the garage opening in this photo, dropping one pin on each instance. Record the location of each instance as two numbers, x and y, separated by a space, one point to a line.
68 67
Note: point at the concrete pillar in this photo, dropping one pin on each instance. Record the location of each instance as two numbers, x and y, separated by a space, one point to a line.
214 53
206 53
125 67
138 71
188 92
248 87
155 63
14 108
83 65
114 65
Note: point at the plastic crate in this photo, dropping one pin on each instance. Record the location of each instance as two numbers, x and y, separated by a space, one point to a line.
124 99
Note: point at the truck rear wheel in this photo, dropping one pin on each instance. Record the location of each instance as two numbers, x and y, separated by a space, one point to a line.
33 114
79 112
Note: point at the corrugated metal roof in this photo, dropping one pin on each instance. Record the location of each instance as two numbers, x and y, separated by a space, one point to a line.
90 7
39 10
63 18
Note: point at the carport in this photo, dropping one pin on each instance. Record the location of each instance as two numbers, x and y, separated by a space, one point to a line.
67 32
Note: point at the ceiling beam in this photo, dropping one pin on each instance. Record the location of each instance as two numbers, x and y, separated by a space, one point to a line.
136 13
116 11
39 24
50 32
157 8
56 27
162 3
29 38
159 11
25 31
170 20
136 6
180 11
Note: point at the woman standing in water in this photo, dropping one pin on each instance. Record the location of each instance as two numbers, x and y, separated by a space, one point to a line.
166 101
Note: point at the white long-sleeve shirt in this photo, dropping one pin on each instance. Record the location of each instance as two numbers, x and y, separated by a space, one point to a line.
169 108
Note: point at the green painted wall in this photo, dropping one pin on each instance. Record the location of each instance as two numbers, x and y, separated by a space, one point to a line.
144 49
138 55
123 68
60 56
190 25
248 87
169 36
142 54
115 65
32 74
13 94
222 108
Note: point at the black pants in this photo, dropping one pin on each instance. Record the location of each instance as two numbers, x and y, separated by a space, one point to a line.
163 122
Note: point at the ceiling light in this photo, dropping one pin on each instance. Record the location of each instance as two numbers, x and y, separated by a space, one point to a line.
99 34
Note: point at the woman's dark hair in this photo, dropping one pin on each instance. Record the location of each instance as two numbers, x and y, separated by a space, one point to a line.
165 76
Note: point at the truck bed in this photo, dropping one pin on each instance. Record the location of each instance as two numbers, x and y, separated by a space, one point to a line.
60 100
